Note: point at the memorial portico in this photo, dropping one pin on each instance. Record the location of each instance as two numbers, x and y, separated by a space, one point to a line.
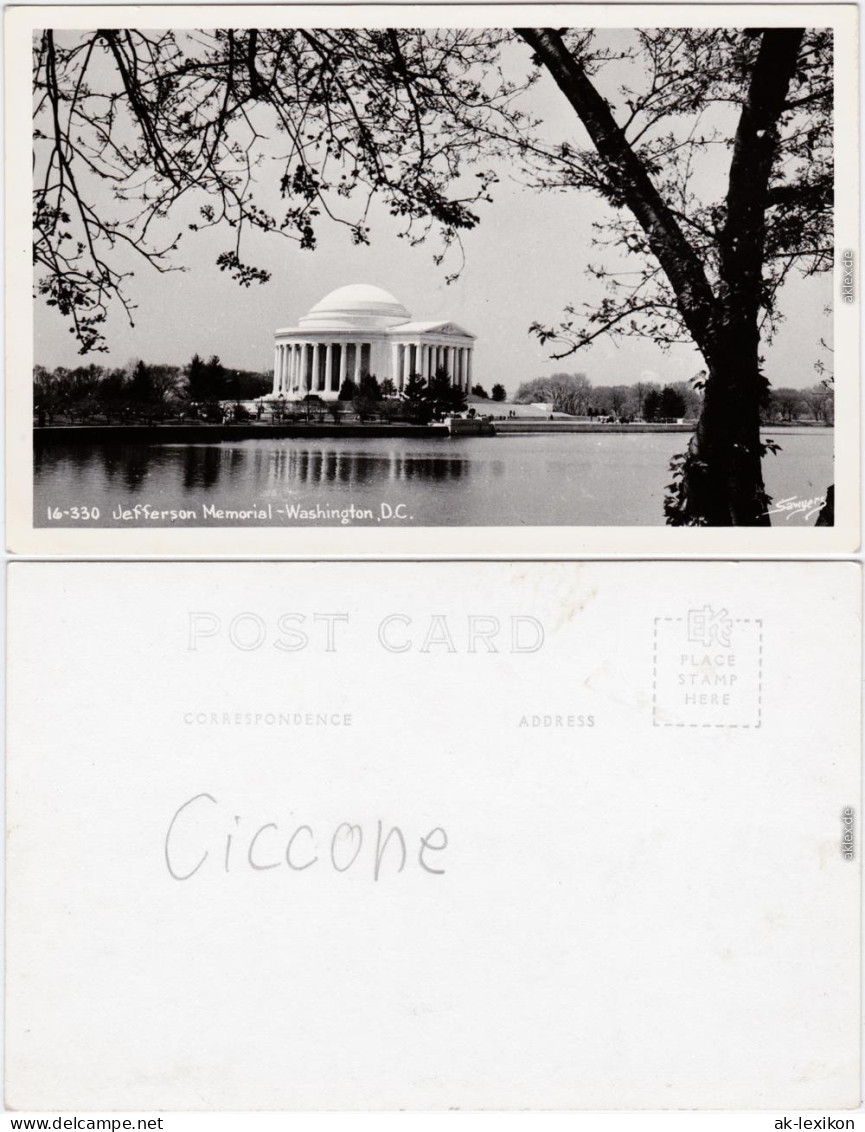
359 330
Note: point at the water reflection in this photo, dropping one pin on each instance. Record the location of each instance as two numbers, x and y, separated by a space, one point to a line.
200 467
572 479
312 467
203 466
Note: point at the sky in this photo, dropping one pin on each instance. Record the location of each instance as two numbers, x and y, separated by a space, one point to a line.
524 262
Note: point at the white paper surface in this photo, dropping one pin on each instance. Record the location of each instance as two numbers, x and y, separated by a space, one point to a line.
643 900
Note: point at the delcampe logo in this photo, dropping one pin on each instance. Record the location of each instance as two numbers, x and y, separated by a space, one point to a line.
707 670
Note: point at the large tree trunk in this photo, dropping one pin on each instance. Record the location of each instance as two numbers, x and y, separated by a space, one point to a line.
721 482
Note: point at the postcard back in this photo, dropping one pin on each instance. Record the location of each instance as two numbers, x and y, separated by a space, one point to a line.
323 835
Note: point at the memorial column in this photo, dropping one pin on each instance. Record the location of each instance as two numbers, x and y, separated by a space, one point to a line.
328 366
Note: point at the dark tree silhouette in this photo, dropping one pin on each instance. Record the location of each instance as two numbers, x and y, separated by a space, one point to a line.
712 269
366 400
417 401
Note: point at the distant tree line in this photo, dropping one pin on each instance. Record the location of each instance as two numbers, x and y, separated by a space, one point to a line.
575 394
816 403
211 381
643 401
151 392
141 391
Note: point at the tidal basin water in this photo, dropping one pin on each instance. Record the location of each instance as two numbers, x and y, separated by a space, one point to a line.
575 479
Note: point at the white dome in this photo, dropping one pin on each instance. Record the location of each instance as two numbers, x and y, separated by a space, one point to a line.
358 306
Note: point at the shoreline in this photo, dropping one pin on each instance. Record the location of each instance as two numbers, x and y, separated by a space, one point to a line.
210 434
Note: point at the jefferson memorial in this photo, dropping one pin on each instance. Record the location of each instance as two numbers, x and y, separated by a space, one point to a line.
358 330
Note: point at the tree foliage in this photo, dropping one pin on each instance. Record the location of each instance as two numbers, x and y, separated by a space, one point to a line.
141 391
566 392
574 393
131 124
366 400
658 137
